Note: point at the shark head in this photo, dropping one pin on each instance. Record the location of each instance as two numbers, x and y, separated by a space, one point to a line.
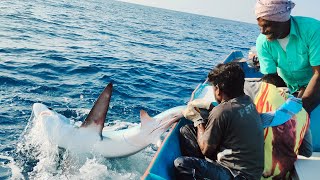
47 116
41 111
51 124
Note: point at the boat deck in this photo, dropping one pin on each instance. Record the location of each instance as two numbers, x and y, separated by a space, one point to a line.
307 168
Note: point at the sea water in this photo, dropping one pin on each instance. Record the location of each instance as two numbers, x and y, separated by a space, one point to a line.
63 53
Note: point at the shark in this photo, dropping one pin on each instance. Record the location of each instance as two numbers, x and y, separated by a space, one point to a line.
91 137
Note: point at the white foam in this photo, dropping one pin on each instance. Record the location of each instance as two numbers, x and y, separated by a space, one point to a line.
55 163
15 170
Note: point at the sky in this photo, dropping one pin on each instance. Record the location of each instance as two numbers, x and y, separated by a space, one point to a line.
238 10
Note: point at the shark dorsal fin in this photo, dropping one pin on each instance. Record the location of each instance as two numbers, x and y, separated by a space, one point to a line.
98 113
144 118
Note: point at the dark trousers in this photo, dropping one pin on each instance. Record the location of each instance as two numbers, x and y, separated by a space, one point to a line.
192 164
196 168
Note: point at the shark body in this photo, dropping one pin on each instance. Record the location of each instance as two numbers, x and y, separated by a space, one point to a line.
90 136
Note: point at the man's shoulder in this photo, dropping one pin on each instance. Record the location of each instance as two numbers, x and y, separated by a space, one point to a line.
222 107
228 107
305 20
222 110
234 108
306 24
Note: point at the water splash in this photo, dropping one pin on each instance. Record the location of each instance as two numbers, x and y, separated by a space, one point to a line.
8 168
52 162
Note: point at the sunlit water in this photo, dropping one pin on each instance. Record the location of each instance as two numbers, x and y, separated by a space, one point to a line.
63 53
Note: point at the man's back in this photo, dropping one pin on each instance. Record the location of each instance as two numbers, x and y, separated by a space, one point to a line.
238 121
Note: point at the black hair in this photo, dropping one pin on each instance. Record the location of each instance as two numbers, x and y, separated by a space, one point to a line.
229 78
274 79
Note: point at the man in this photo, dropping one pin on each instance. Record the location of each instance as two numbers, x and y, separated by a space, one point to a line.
232 139
290 47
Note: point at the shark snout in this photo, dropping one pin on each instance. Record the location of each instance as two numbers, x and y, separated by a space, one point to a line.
38 109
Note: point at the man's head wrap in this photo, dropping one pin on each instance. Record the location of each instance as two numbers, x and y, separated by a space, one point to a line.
274 10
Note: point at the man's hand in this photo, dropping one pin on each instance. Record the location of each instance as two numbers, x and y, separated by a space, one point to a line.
192 111
200 103
301 91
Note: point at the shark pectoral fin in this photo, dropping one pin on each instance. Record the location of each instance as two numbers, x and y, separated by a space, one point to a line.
144 118
98 113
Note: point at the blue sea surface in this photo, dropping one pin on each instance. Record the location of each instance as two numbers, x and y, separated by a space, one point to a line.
63 53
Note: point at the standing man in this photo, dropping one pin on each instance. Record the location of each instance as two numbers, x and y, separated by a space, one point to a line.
230 145
289 47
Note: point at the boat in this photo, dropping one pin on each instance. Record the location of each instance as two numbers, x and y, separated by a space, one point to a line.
162 167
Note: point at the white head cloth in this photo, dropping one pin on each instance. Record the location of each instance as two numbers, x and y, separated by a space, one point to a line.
274 10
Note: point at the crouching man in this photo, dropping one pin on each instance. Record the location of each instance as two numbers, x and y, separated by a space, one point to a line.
231 144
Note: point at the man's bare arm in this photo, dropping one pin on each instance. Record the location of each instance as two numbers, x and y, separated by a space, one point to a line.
311 95
206 149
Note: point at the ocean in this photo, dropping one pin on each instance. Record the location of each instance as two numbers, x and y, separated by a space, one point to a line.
63 53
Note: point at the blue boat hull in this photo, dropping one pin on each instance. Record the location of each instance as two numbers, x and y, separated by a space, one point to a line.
161 167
